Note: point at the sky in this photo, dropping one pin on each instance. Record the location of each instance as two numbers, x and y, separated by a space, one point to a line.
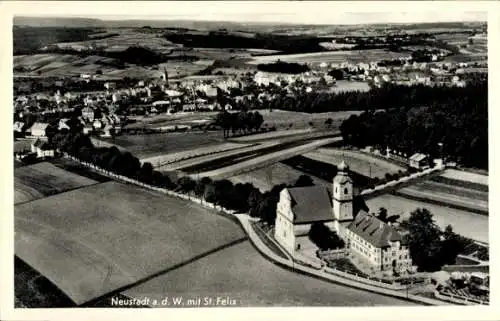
303 12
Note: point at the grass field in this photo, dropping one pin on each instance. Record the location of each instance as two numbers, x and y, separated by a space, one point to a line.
465 223
344 86
144 146
44 179
466 176
275 174
332 57
449 194
360 163
242 274
59 65
280 118
98 239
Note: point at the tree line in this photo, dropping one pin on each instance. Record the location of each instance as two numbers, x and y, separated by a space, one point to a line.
238 197
242 122
283 67
450 122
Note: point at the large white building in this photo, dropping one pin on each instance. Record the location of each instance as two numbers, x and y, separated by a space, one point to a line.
366 237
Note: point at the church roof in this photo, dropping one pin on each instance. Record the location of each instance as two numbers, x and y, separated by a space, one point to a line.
311 204
373 230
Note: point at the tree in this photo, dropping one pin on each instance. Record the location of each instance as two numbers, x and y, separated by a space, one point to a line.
303 181
146 173
382 214
324 238
423 240
201 184
186 184
254 198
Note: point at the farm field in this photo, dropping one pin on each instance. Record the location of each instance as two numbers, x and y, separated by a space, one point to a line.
280 118
344 86
43 179
332 57
275 174
468 224
242 274
63 65
162 160
449 194
466 176
202 161
358 162
150 145
260 161
114 235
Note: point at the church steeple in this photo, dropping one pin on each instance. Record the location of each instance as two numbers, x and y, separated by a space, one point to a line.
342 194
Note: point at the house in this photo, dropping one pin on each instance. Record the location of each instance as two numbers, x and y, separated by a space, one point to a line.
42 148
369 239
188 107
63 124
87 129
418 160
38 129
88 114
18 126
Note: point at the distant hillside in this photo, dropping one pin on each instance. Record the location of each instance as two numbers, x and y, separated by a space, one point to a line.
58 22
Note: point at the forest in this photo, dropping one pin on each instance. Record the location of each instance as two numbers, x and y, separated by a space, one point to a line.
452 122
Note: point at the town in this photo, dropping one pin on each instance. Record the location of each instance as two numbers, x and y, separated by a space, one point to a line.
341 169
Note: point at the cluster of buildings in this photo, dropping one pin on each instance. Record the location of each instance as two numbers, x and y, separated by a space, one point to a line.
370 240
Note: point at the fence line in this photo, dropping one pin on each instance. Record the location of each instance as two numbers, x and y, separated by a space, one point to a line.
458 299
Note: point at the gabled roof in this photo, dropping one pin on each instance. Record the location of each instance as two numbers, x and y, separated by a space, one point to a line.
311 204
418 157
373 230
39 126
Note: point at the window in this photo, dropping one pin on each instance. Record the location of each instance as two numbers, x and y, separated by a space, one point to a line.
336 190
346 190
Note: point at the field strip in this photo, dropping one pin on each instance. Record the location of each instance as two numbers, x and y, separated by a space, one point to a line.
466 176
265 160
162 160
207 158
462 202
172 268
360 156
269 135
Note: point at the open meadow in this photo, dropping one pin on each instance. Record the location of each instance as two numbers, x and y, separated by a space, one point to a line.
44 179
242 274
474 226
149 145
95 240
446 193
266 178
332 57
358 162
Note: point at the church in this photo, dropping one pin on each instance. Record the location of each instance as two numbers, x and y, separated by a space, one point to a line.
370 239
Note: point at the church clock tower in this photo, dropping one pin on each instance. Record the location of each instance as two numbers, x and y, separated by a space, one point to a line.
342 196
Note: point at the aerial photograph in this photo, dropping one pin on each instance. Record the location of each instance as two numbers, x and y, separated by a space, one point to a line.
243 160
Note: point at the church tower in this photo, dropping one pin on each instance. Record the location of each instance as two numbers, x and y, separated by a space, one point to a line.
342 196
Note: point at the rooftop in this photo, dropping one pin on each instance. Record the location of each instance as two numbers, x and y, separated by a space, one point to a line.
311 204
